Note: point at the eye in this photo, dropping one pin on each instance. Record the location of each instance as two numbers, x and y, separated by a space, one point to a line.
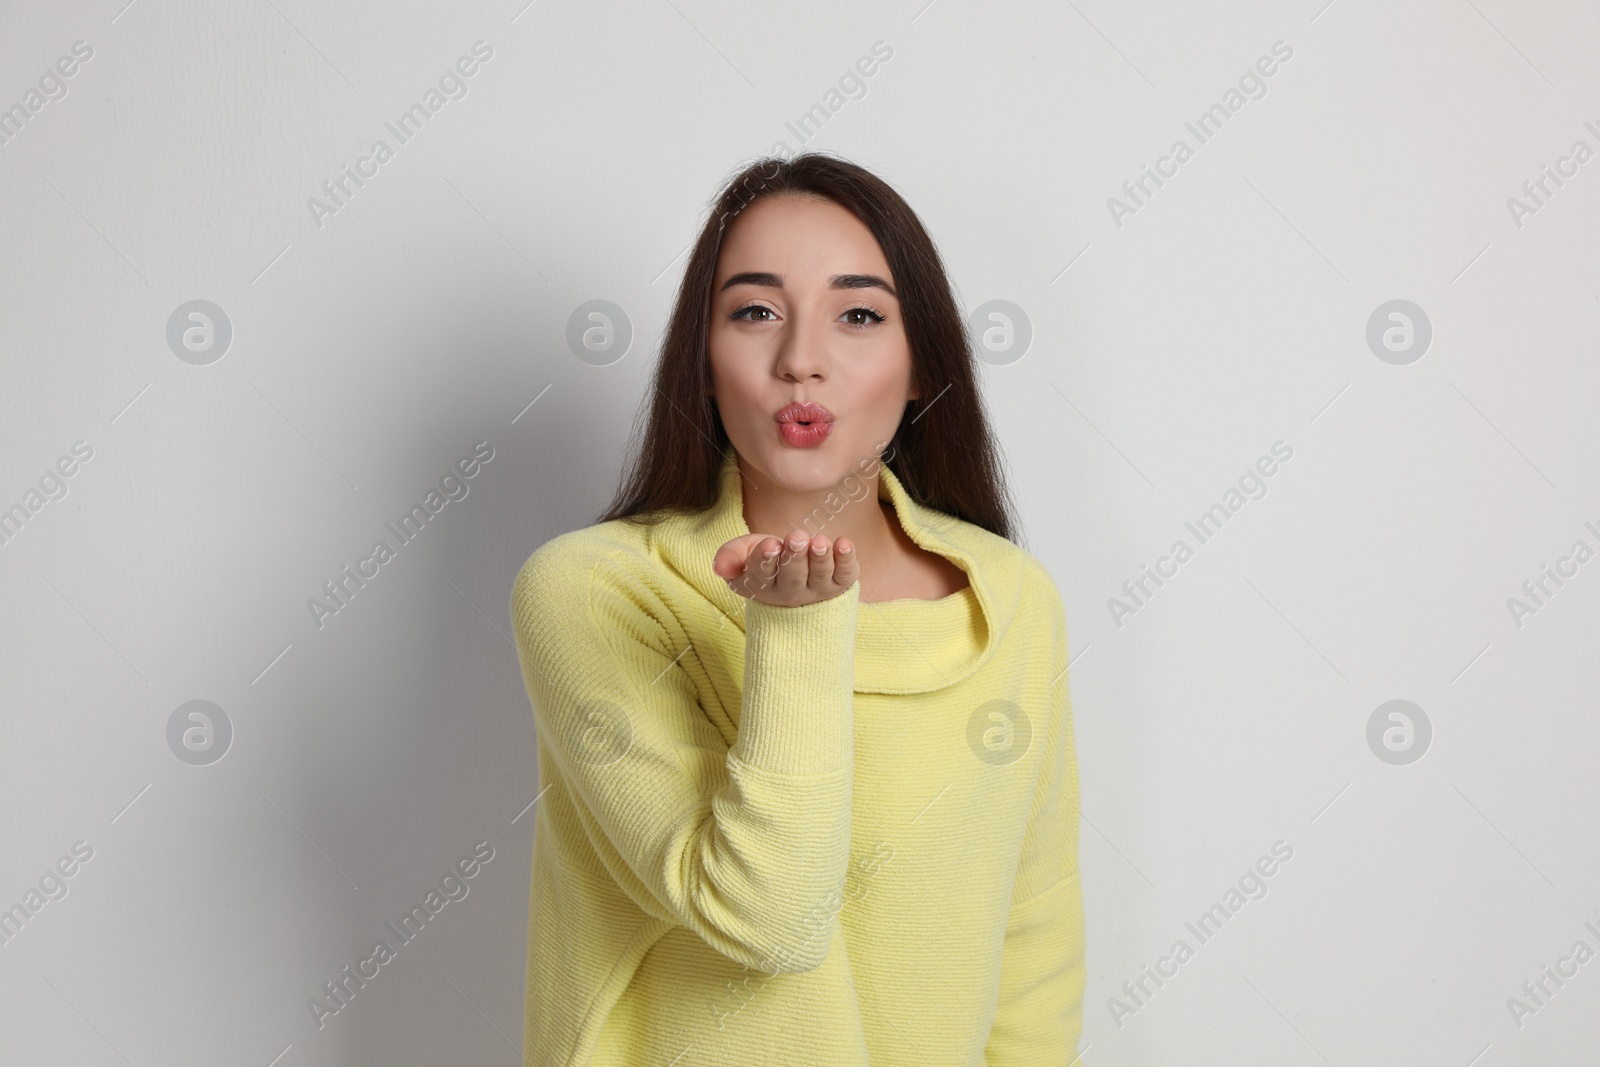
740 313
863 310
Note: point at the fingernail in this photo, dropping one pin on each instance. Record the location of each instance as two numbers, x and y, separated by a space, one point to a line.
845 551
817 550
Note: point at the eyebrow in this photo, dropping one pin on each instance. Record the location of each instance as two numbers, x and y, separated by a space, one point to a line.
838 281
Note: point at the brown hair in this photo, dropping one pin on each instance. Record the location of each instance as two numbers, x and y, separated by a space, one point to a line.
943 452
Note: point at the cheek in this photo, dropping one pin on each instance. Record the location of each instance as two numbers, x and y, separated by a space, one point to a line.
737 386
886 380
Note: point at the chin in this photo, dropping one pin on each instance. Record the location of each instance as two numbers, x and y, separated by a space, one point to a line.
802 470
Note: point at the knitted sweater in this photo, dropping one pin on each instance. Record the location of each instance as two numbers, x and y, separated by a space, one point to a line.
838 834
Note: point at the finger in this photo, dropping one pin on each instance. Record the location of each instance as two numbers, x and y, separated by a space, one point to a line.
846 568
761 565
794 562
740 583
729 561
821 577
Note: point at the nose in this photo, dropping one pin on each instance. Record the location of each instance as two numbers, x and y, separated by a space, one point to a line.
802 354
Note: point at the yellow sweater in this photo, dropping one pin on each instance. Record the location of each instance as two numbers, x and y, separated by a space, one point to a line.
839 834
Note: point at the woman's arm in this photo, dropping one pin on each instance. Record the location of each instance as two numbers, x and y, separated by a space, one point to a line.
746 846
1040 1015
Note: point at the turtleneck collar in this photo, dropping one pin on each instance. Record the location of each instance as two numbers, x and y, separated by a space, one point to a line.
902 646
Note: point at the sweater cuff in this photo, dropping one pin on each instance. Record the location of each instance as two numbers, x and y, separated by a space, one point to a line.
797 714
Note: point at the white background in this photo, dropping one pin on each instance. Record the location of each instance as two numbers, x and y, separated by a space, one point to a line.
371 352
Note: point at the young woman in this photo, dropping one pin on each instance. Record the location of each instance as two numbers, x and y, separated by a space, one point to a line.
809 791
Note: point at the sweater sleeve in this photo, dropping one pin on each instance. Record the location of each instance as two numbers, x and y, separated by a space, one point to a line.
746 845
1039 1019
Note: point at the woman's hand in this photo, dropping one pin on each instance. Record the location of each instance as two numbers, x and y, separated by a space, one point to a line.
788 573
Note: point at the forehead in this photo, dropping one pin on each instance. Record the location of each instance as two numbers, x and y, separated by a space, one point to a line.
803 238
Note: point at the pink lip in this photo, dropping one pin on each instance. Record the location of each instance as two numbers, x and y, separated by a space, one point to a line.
810 411
804 425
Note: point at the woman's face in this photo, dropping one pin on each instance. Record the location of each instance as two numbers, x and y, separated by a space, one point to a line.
803 309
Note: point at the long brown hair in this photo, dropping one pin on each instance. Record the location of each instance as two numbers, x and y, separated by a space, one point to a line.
943 451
